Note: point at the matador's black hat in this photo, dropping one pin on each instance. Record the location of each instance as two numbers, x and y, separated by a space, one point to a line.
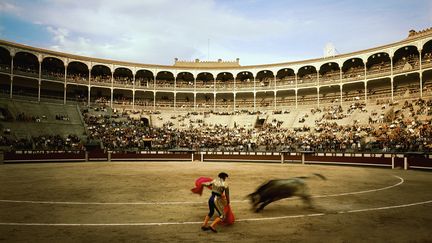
223 175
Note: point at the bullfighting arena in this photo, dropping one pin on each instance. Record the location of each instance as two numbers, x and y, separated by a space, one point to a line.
152 202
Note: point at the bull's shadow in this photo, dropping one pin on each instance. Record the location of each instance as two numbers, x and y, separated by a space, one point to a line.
274 190
291 207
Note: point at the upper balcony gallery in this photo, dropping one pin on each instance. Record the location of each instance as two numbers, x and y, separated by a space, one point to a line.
411 56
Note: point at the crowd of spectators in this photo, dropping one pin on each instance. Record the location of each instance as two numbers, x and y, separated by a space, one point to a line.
123 80
53 74
56 142
62 117
77 78
405 132
28 70
28 118
404 127
43 142
8 142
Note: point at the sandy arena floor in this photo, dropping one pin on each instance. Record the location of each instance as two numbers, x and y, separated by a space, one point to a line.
152 202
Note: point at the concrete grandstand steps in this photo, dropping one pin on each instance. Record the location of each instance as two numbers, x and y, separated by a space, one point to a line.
158 120
46 126
224 120
29 129
43 110
356 115
244 120
6 113
291 119
298 115
19 133
181 119
287 119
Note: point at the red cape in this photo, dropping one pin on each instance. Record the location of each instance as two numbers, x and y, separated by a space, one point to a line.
198 189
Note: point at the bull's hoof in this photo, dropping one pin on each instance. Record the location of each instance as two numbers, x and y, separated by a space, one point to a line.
205 228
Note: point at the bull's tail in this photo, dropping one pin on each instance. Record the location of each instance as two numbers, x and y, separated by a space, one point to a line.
313 175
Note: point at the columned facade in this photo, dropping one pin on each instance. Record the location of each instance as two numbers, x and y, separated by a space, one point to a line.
389 71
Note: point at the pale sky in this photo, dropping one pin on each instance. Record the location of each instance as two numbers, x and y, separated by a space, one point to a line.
256 31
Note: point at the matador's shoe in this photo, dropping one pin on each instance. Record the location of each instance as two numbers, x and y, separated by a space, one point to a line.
212 229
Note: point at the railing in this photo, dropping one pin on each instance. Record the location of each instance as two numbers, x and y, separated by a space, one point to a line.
225 85
354 76
307 81
285 102
286 81
374 72
28 73
48 77
5 68
427 63
406 160
378 73
330 79
77 79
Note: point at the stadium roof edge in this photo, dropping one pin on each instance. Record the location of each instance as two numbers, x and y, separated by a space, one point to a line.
158 66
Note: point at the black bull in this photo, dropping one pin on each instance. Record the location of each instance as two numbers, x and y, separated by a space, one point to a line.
274 190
